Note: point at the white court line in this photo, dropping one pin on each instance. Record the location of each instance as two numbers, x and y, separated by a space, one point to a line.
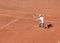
8 15
15 16
9 23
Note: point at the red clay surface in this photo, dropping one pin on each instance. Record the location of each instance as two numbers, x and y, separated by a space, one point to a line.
17 24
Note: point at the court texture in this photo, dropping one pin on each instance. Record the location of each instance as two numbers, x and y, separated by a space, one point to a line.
17 24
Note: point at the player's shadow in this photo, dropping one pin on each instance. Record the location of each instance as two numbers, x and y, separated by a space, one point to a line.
48 26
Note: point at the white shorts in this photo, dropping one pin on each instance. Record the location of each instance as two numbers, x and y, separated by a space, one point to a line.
42 23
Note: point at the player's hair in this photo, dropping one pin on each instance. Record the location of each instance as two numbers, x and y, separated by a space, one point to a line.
40 15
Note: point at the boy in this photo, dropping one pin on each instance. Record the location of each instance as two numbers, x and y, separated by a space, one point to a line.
41 18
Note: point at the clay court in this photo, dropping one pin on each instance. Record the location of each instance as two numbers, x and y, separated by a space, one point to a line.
17 24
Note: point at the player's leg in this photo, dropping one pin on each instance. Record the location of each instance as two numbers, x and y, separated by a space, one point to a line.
41 24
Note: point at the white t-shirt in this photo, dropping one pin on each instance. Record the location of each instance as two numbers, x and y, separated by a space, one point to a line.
41 19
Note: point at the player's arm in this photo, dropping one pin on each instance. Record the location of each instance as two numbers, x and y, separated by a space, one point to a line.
37 19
